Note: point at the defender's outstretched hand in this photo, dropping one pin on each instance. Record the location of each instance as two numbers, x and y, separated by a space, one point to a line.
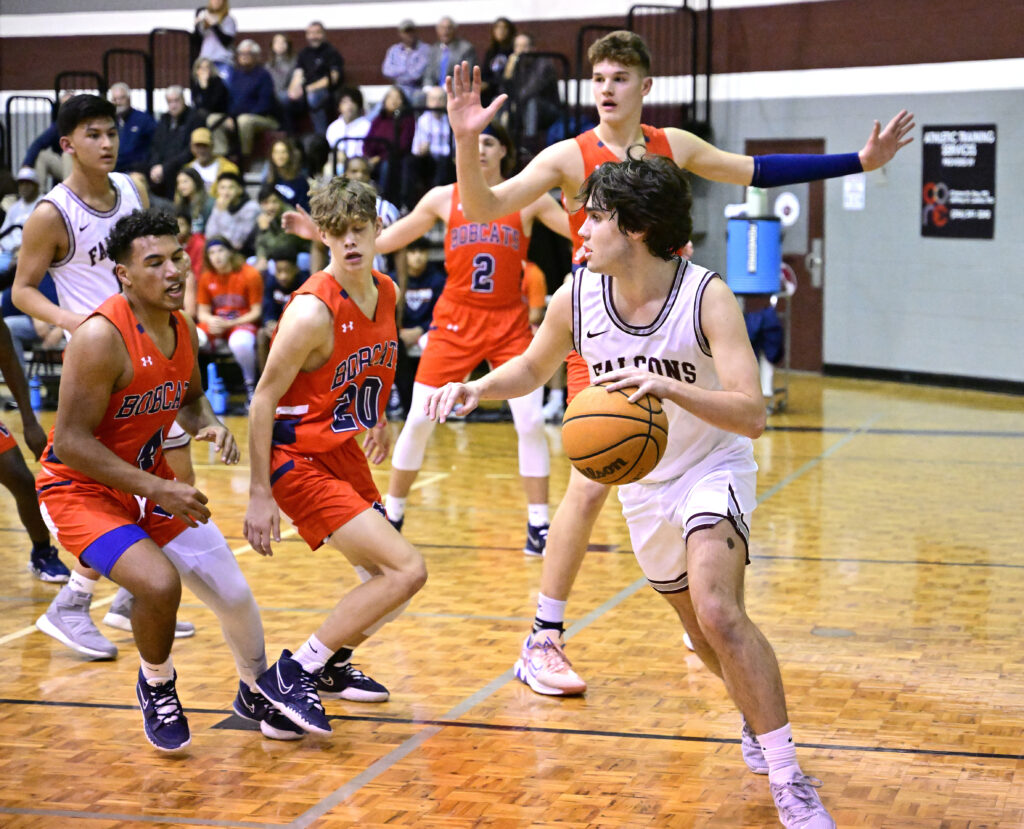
299 223
465 114
884 144
223 441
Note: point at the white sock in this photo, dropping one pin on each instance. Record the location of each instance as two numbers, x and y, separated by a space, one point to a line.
537 515
780 753
157 673
313 655
394 507
82 584
550 610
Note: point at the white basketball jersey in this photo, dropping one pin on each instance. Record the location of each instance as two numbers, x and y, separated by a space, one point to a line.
85 276
673 345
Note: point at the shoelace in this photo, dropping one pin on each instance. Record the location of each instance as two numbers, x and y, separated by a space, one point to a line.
801 795
554 658
307 685
165 703
353 672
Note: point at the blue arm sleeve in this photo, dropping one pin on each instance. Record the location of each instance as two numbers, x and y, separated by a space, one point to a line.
774 170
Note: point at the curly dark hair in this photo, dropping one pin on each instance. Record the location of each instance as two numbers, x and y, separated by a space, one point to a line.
81 108
136 225
649 195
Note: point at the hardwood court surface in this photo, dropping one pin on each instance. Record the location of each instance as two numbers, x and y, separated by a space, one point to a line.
887 572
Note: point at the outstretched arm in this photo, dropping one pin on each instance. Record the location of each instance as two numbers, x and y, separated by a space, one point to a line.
468 118
707 161
520 375
432 207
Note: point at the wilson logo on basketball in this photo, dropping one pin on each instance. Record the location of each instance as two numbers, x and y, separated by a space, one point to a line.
598 474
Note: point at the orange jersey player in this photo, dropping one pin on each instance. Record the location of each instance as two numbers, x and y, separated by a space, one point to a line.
328 376
620 80
481 315
110 495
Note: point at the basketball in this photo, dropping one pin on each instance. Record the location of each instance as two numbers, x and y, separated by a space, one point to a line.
611 440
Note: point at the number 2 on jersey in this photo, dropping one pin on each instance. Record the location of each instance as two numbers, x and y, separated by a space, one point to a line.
483 274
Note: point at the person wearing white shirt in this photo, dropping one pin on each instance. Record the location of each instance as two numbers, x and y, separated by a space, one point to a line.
346 133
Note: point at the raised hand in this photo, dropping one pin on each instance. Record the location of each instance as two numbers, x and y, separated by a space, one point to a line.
299 223
465 114
884 144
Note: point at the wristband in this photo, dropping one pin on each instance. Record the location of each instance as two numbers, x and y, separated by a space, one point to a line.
773 170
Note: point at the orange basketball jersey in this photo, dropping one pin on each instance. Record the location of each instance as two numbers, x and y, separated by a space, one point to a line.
484 260
595 153
138 415
348 394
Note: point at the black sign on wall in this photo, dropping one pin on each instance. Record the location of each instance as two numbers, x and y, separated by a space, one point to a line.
958 196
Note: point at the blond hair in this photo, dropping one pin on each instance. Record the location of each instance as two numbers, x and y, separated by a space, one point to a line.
624 47
341 202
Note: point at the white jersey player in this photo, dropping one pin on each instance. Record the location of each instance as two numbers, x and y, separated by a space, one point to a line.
655 316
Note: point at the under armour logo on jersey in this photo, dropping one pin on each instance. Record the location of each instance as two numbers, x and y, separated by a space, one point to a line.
147 361
347 326
452 327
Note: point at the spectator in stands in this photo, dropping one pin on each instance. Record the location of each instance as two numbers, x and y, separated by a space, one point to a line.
430 162
346 133
281 66
448 51
390 135
251 92
406 61
170 149
285 170
17 214
229 303
209 92
205 162
46 155
194 244
135 130
319 70
280 282
271 239
191 195
423 285
318 160
503 33
28 333
234 214
532 87
214 35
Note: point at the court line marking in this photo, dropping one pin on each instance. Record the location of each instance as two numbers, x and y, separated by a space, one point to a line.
396 755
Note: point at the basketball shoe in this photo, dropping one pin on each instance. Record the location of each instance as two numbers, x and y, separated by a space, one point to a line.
343 680
543 665
799 805
120 616
396 522
164 720
252 705
753 755
67 620
292 691
46 566
536 539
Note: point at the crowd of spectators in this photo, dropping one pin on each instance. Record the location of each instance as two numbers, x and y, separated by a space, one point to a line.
247 135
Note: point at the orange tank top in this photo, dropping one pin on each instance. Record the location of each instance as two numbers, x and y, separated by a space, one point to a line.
595 153
484 260
348 394
138 415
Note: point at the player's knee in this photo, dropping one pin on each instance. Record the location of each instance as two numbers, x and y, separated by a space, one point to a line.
410 577
721 619
529 423
159 584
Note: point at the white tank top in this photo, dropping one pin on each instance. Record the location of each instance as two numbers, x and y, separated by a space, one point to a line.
85 276
673 345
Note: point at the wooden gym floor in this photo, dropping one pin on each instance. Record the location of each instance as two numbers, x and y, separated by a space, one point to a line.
887 572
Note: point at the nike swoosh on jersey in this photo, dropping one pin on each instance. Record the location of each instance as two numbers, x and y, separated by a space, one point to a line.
596 333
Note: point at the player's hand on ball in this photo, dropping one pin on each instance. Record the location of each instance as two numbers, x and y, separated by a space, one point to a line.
645 381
